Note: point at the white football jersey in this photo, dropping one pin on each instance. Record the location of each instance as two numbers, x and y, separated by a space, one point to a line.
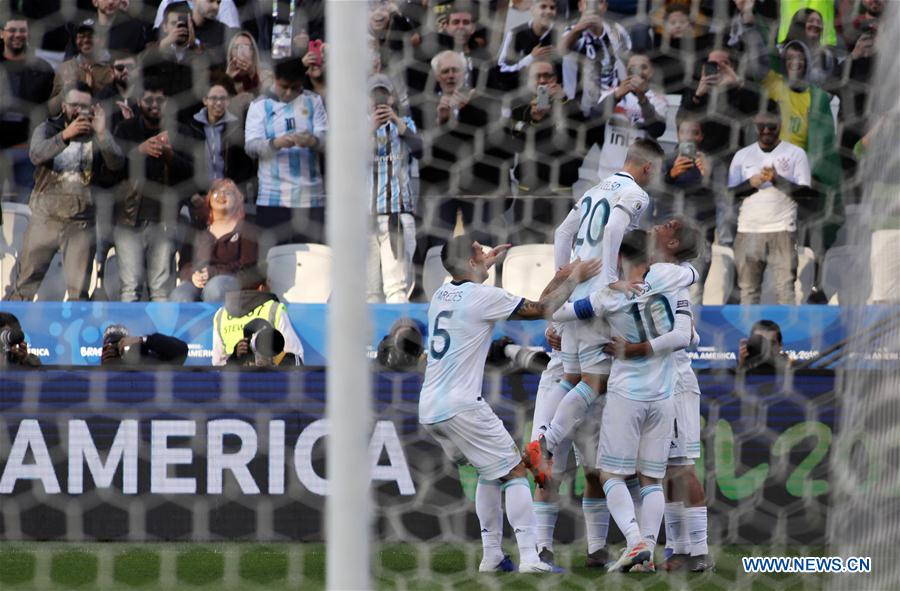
461 321
642 318
619 190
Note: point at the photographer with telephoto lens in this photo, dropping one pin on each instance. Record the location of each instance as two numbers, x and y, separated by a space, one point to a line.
120 348
761 351
262 346
13 348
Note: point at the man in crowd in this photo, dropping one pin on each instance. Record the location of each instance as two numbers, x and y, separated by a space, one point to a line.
525 43
767 178
70 152
285 129
120 348
211 34
761 351
88 66
147 211
25 85
13 348
116 30
119 100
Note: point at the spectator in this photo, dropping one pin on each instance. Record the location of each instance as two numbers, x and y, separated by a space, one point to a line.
262 346
596 48
71 151
211 34
116 31
314 61
789 8
171 61
241 308
224 255
122 349
13 347
86 67
119 99
865 23
227 14
25 86
392 29
147 211
806 118
525 43
286 131
393 242
245 71
761 351
724 101
677 47
222 137
855 93
631 110
767 178
548 153
807 28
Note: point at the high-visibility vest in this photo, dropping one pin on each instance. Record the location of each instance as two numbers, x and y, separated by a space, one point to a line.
231 328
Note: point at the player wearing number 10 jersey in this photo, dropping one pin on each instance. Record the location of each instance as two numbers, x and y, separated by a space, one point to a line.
461 319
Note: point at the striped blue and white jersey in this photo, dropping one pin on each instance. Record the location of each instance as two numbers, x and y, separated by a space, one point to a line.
594 208
461 320
389 188
289 177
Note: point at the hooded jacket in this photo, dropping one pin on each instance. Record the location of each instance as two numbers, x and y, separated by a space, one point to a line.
240 308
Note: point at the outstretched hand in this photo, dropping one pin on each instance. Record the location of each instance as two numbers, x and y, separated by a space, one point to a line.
495 254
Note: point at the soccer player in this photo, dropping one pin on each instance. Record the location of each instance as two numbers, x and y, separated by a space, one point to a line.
600 219
637 422
461 319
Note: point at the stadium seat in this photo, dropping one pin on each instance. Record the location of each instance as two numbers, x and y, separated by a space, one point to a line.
885 266
300 273
527 269
844 270
720 279
435 275
7 264
806 276
112 284
16 217
669 139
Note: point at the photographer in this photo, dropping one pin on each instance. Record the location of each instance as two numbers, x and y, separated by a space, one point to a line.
120 348
71 151
761 352
240 309
13 348
262 346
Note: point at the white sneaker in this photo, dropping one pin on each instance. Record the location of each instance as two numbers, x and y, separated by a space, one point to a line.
638 554
538 568
492 565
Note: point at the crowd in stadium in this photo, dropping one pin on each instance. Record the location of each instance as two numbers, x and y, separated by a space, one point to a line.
190 137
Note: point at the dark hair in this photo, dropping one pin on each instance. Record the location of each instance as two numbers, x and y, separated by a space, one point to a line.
797 28
78 87
673 8
644 150
457 253
152 84
634 247
768 326
689 237
290 70
224 81
771 108
179 7
466 6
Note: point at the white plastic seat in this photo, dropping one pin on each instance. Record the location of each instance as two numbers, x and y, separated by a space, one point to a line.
846 276
720 278
7 265
300 273
435 275
16 218
528 269
806 276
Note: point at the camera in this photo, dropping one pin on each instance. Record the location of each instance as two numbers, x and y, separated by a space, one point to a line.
9 338
759 350
506 354
402 347
265 341
634 71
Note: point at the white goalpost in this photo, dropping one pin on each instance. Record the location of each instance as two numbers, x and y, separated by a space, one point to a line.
348 511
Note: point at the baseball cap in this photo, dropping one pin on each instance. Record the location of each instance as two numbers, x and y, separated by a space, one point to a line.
381 81
85 25
114 333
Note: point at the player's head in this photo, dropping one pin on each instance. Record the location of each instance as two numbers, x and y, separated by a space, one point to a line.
676 240
644 160
634 249
463 260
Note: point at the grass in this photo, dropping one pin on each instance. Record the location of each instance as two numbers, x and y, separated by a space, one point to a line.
48 566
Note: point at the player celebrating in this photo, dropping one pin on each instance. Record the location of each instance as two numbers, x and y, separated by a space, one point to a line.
637 422
461 318
600 219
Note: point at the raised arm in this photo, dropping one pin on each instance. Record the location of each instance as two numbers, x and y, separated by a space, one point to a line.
563 238
557 291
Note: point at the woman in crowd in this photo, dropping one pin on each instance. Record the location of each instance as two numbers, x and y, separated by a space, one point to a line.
807 26
245 70
224 255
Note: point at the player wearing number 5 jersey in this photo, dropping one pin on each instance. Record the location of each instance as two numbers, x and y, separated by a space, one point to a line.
594 229
637 422
461 319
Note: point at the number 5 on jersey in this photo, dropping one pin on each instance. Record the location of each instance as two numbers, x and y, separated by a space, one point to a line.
441 333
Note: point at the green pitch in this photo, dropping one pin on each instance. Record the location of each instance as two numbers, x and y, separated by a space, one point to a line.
47 566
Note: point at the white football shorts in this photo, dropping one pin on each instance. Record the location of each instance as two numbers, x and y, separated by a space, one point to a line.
685 446
478 437
635 436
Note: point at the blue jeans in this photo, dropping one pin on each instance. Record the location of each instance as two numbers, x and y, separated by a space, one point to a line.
214 290
146 252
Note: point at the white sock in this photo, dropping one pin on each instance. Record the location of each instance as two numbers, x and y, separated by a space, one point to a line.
545 406
569 414
489 508
545 515
621 508
596 522
653 505
695 520
676 532
634 488
520 514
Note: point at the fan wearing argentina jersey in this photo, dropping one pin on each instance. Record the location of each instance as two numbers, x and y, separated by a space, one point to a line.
637 422
461 319
600 219
285 129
